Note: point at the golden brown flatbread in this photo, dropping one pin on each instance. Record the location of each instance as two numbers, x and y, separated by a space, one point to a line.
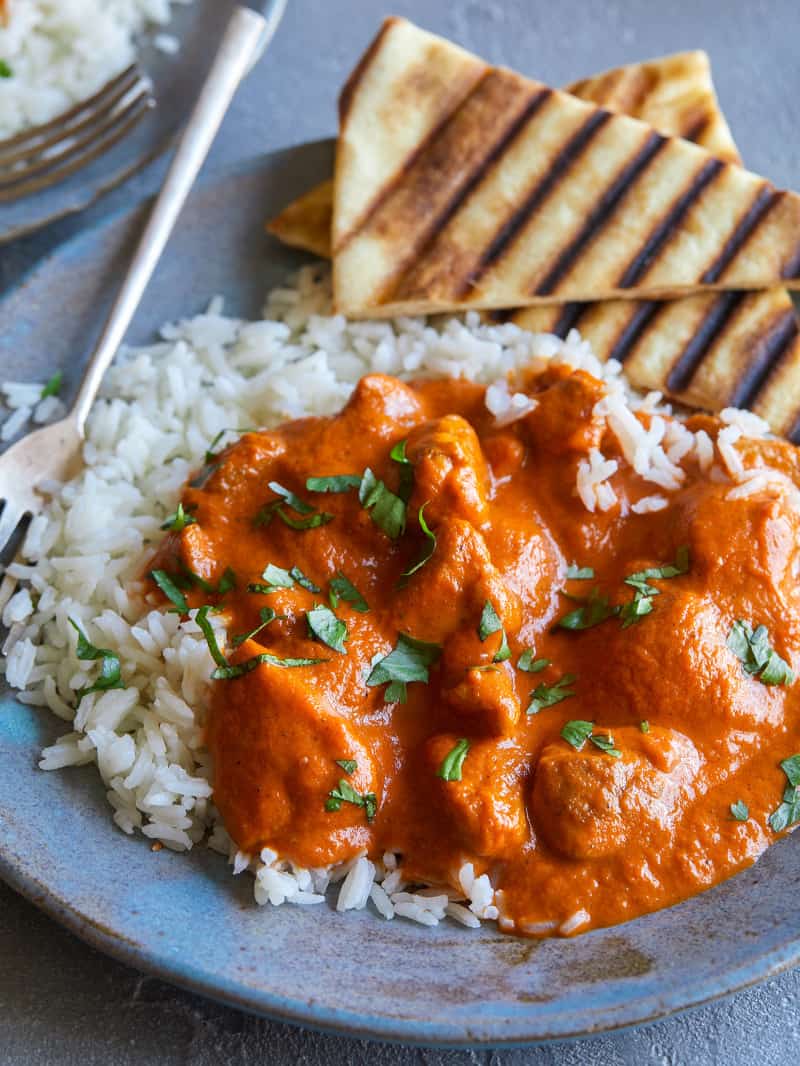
306 222
516 193
674 94
706 350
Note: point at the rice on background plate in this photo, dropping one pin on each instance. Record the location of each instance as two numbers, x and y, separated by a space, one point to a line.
159 408
56 53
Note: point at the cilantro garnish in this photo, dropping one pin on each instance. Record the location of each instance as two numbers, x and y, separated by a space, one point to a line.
170 590
757 656
387 510
277 578
211 638
642 603
789 810
311 518
490 623
740 811
450 770
398 454
343 589
431 547
644 726
267 615
327 628
578 731
605 742
345 793
226 673
348 765
593 610
53 386
110 672
530 665
549 695
579 573
178 521
408 661
5 70
334 483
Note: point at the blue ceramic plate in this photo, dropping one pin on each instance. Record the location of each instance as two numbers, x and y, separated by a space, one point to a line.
176 80
184 917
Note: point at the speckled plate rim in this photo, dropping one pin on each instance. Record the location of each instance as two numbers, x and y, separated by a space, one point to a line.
17 871
353 1025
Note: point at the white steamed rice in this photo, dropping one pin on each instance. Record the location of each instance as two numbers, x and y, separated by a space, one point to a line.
60 52
159 408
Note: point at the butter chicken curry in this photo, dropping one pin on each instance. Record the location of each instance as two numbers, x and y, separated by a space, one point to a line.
436 649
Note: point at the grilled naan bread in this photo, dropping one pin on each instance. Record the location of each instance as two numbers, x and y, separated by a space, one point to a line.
674 94
709 350
511 193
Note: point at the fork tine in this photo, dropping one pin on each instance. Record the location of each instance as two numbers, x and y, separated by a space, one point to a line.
57 123
106 104
9 520
95 146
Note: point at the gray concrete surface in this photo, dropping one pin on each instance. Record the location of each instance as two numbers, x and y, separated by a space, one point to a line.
61 1002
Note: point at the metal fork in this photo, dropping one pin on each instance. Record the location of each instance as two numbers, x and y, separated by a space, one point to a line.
44 155
54 453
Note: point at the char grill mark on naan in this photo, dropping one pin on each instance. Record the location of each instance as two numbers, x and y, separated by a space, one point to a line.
659 229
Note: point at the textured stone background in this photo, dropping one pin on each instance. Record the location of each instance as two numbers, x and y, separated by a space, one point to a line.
61 1002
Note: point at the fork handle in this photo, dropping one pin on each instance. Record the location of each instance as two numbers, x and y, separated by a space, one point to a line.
245 37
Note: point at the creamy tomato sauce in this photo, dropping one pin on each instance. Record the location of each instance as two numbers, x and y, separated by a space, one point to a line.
608 826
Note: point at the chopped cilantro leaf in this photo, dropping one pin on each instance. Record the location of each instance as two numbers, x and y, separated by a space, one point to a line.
429 550
592 612
226 673
178 521
406 487
644 726
5 70
110 672
211 638
450 770
327 628
291 499
740 811
348 765
634 610
304 582
490 623
408 661
387 510
791 767
312 521
342 589
605 742
549 695
170 590
345 793
334 483
676 569
788 813
758 657
530 665
579 573
276 577
53 386
267 615
577 732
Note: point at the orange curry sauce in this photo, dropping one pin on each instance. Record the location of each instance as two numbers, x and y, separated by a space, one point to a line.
559 827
